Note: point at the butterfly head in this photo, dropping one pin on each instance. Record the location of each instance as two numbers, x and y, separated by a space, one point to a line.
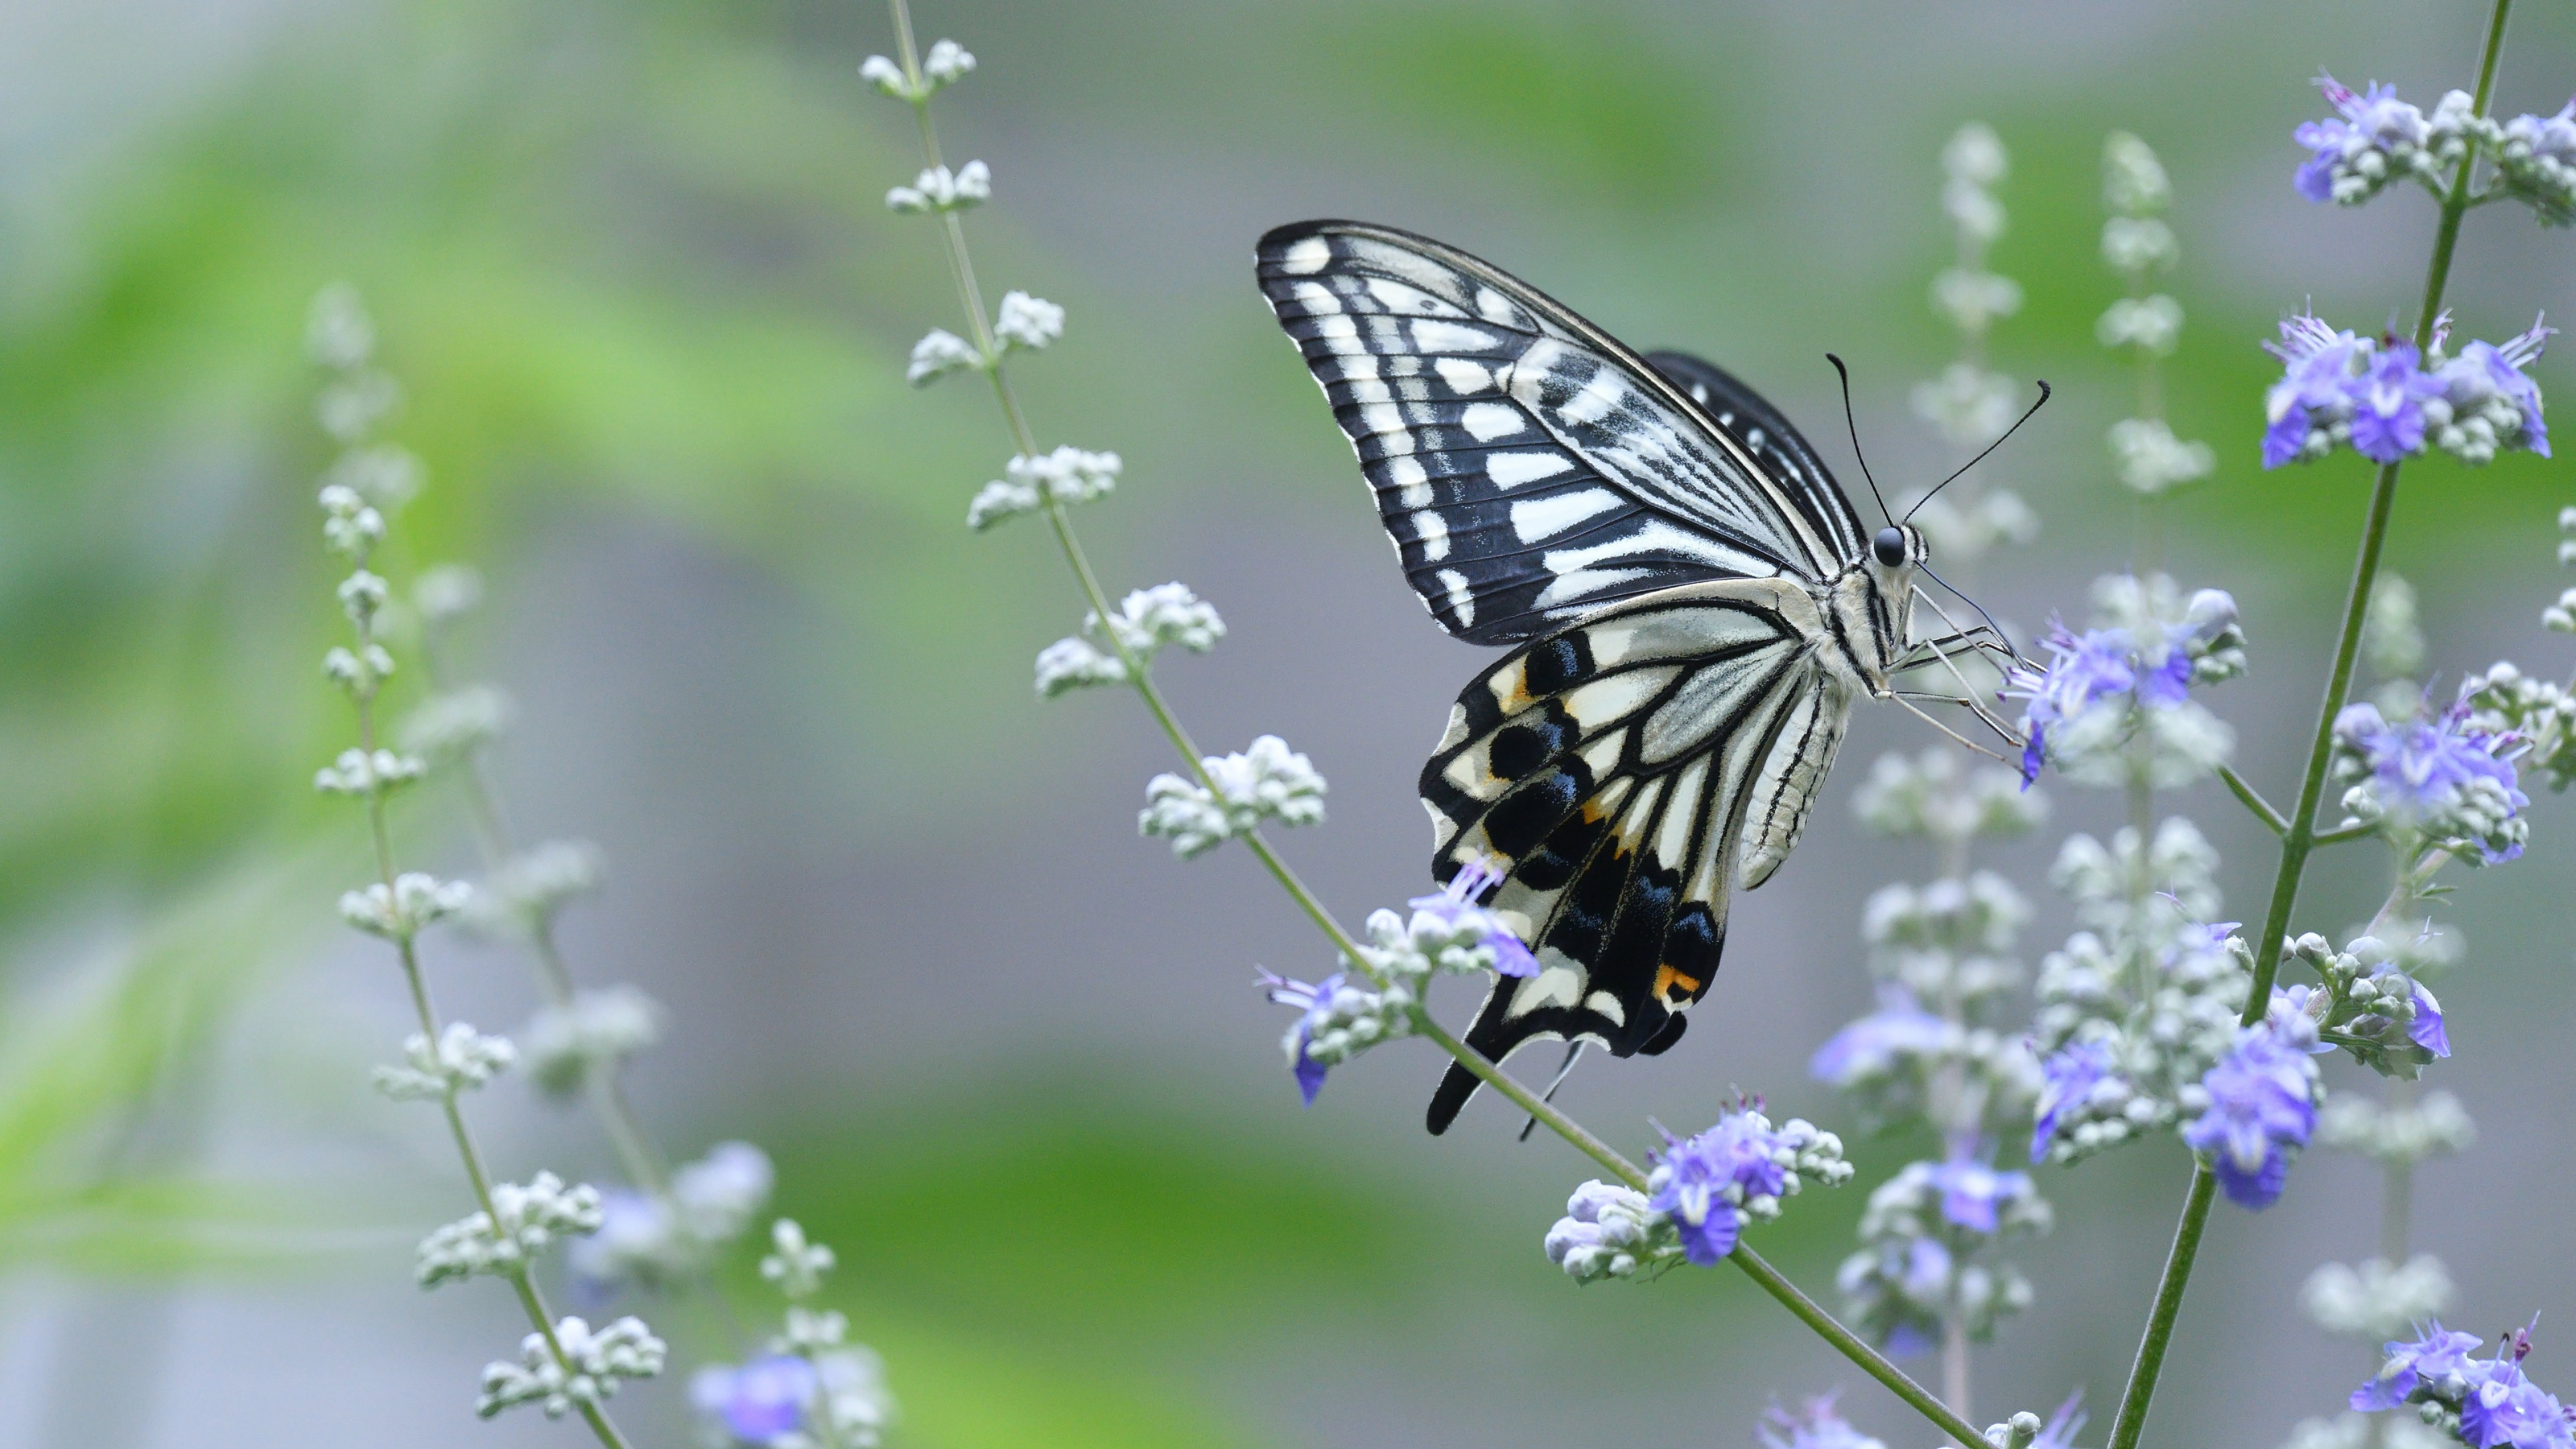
1899 545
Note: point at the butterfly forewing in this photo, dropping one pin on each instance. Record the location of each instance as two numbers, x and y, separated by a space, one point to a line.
1529 468
1611 767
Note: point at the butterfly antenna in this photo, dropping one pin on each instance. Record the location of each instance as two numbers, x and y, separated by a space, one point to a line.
1973 604
2044 394
1571 1052
1854 426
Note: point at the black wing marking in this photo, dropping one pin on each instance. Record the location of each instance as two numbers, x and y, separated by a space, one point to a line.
1786 458
1611 768
1528 466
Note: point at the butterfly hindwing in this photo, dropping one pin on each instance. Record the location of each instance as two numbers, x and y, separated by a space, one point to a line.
1529 468
1610 769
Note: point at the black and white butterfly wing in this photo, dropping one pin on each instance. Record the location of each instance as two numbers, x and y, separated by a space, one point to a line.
1622 770
1528 466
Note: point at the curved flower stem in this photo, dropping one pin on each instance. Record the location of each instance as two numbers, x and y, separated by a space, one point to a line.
962 272
2303 836
2254 801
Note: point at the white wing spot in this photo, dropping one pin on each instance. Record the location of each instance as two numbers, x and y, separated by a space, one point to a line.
1307 254
1511 470
1604 701
1604 1004
1464 378
1493 306
1450 337
1559 982
1433 530
1412 486
1485 422
1542 518
1598 398
1387 422
1462 601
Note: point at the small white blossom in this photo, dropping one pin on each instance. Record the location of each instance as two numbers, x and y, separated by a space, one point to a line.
455 724
2372 1300
522 1222
361 595
1267 781
946 64
2151 324
1067 475
338 333
1070 664
1962 529
998 500
2536 156
2138 245
2399 1136
806 1331
1026 321
1969 406
2150 459
1972 300
720 1193
939 353
355 402
2133 180
414 902
1148 619
358 772
381 473
939 189
462 1058
358 671
350 525
594 1031
795 1265
525 891
656 1241
1973 161
1935 796
447 592
589 1371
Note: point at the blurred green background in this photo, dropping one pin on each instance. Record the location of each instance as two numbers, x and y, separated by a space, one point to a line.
630 265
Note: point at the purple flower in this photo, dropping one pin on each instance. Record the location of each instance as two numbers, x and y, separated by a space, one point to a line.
1313 1003
2149 667
1873 1043
1693 1175
2425 769
1814 1425
2317 369
2503 1407
2260 1108
2438 1355
2063 1425
2485 368
760 1402
2373 120
2426 1029
2067 1081
2388 404
1971 1192
1455 905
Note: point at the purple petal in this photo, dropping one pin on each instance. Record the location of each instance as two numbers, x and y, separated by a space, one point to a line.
1511 958
2386 1392
1309 1073
1712 1238
2426 1030
2254 1190
2315 179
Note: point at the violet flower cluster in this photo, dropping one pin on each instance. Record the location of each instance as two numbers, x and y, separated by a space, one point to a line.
2438 780
2115 700
2374 140
1702 1193
2387 400
2481 1402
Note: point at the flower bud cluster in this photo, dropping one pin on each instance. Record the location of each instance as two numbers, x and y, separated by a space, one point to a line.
522 896
2150 459
2113 704
1067 475
2437 781
1963 527
1268 781
368 772
453 725
806 1391
2375 138
591 1033
414 901
938 189
1916 1271
2536 157
1146 621
2143 999
2396 1136
945 64
2371 1006
2372 1299
591 1365
1608 1231
2536 713
1936 796
1968 405
462 1058
522 1222
2388 401
654 1241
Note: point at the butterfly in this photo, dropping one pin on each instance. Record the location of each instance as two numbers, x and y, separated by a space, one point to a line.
1692 604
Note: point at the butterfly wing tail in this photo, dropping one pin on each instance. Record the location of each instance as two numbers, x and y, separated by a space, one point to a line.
1495 1037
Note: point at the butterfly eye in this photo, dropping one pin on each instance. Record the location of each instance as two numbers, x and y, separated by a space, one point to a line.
1889 546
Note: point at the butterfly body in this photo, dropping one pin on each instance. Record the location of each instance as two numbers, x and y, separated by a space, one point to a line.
1694 608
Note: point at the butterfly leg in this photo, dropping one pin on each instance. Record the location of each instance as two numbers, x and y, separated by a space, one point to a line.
1917 712
1969 698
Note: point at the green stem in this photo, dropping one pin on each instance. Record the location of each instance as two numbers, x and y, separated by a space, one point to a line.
2254 800
2302 836
1923 1400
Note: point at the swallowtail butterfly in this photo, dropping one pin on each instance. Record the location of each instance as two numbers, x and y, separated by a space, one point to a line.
1691 603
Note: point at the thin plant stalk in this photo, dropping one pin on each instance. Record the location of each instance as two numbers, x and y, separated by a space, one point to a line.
962 272
2302 834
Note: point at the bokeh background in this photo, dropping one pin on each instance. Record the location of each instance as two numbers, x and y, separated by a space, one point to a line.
630 264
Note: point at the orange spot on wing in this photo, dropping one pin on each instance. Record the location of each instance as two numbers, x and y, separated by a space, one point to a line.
1666 978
